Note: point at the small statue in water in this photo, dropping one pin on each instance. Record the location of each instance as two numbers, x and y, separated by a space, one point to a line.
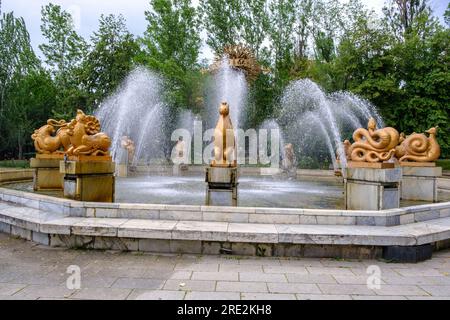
128 144
224 140
180 157
289 162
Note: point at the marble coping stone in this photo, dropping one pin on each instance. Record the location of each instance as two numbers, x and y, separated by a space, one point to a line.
443 183
35 220
375 175
11 175
422 171
73 208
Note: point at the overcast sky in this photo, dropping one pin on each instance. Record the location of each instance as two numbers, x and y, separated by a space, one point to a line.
87 12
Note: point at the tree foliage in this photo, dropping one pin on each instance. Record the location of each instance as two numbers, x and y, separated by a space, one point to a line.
171 46
110 58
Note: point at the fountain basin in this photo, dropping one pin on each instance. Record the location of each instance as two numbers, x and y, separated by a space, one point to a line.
216 229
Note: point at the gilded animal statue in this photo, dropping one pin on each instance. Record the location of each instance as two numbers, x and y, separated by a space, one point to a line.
86 138
50 138
417 147
224 141
372 145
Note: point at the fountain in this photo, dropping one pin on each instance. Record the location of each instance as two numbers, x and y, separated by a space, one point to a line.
163 212
310 118
229 84
137 110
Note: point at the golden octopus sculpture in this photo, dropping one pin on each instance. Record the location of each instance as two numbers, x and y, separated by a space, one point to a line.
372 145
417 147
224 140
81 136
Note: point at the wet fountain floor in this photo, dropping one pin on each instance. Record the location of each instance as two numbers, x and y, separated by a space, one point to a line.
254 191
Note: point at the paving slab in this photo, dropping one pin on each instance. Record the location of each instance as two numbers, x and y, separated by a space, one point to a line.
156 295
199 295
190 285
235 286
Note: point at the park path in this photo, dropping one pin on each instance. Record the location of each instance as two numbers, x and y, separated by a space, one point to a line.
30 271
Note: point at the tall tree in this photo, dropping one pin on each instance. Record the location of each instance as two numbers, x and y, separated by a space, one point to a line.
65 49
254 23
110 59
236 21
26 90
171 46
302 27
16 54
282 21
408 17
30 101
64 53
447 15
221 20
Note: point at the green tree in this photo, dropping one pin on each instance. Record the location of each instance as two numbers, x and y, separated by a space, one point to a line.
18 69
30 101
16 54
110 59
65 49
408 17
282 19
423 73
171 46
447 15
254 23
302 27
221 20
64 53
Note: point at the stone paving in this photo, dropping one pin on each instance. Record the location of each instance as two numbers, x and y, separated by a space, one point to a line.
31 271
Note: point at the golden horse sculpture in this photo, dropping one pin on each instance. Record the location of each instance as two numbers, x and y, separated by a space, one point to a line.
81 136
224 140
373 145
417 147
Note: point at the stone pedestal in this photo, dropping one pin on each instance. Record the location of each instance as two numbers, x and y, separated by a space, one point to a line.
46 172
372 189
222 179
88 180
420 183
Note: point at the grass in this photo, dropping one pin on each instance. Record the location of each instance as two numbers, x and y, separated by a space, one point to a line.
444 163
14 164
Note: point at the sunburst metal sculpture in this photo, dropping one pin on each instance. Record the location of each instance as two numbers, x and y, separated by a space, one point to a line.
239 57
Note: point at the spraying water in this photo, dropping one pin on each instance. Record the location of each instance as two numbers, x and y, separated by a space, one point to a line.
229 84
136 110
311 118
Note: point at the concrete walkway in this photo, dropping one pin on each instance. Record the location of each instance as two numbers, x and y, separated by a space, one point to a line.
30 271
